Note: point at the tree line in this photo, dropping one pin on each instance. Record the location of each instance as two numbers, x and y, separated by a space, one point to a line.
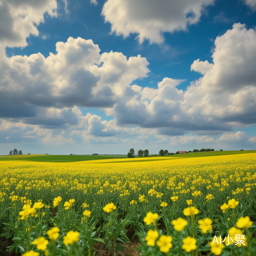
15 152
162 152
204 149
141 152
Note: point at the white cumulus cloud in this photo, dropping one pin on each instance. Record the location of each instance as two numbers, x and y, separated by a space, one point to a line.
150 18
19 19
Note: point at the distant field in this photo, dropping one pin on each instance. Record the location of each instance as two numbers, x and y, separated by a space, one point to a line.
212 153
77 158
58 158
95 198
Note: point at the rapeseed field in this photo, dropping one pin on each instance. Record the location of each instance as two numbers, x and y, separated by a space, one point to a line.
186 206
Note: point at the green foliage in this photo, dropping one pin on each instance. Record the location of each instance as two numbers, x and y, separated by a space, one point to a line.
161 152
129 155
59 158
114 230
145 152
140 153
132 152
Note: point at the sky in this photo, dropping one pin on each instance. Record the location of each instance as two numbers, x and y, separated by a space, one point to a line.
104 76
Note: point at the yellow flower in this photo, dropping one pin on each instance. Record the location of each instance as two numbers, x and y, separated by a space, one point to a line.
31 253
38 205
151 237
179 224
190 211
69 204
150 218
197 193
109 207
244 222
41 243
87 213
163 204
142 198
228 240
133 202
56 201
174 198
85 205
224 207
189 202
27 211
164 243
46 253
189 244
71 237
232 203
205 225
209 197
53 233
233 232
216 247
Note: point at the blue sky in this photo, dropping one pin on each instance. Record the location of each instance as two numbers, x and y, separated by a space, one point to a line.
105 76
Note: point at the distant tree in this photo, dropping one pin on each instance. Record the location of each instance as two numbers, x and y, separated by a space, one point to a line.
189 151
195 150
208 149
161 152
166 152
241 150
140 152
221 150
15 151
28 153
202 150
11 152
212 149
132 152
94 154
145 152
20 152
129 155
177 152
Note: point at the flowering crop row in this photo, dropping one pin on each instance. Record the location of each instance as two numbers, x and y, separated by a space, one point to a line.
173 207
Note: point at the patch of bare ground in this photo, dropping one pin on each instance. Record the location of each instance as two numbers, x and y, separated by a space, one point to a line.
126 249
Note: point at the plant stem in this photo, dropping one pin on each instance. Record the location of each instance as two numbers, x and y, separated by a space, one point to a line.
248 241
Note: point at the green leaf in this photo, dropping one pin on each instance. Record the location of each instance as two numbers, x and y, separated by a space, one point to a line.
21 248
98 239
106 225
120 240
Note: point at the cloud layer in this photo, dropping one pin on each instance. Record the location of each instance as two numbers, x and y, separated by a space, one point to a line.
47 91
77 75
40 96
19 19
251 3
149 18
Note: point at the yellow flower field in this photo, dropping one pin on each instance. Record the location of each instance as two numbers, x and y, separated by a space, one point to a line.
193 201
